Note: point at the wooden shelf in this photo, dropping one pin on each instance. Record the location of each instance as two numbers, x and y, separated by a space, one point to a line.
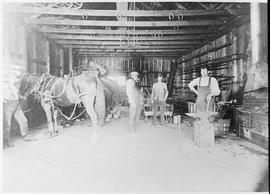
208 51
216 61
155 72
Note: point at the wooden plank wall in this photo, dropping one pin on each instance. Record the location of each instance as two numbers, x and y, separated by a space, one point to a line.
43 55
227 56
147 67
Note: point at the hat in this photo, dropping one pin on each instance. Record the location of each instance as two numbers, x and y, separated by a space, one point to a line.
159 75
134 73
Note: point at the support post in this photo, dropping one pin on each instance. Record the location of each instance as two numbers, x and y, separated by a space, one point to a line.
47 45
70 57
255 30
61 62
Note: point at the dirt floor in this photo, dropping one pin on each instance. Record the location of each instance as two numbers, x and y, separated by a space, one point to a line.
150 160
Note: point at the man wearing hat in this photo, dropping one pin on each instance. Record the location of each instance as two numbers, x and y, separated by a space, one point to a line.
158 98
134 98
207 88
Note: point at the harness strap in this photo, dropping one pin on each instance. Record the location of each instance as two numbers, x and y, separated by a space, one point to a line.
63 91
72 114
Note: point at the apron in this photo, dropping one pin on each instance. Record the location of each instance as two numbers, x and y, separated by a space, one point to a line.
203 92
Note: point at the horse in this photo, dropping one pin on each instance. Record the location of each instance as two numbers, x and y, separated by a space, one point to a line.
52 91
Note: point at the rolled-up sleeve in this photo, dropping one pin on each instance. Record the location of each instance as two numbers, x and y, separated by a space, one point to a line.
215 91
194 82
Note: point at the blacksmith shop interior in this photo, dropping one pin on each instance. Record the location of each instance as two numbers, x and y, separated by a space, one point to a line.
118 96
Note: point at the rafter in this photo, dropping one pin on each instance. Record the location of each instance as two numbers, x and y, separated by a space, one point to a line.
125 23
130 47
126 38
133 50
122 32
127 43
126 13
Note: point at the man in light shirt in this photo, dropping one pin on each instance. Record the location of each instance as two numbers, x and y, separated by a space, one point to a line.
207 88
134 98
159 96
11 108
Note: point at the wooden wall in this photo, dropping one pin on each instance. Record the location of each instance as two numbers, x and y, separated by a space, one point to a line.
43 55
147 67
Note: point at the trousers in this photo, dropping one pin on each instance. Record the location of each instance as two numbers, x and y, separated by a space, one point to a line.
134 114
10 109
161 105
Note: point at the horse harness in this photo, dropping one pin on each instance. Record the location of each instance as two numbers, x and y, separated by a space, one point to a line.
44 85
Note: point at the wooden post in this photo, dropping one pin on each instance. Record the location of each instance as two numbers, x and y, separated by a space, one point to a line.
61 62
255 30
47 54
34 54
70 59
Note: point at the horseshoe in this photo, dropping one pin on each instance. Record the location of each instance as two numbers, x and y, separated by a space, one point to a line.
171 16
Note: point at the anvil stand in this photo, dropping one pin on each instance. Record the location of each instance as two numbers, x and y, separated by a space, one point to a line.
204 132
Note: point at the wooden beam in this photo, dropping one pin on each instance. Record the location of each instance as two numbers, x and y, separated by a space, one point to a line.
126 38
203 5
132 47
132 50
121 32
126 43
55 21
70 58
131 55
123 13
181 7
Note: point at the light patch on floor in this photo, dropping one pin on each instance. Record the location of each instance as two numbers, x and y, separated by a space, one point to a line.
154 159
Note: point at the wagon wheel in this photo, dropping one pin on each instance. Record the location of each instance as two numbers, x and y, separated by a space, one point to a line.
77 5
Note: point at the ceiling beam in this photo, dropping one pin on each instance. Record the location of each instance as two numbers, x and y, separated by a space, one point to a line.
131 55
125 38
131 50
130 47
111 32
55 21
181 7
123 13
204 6
127 43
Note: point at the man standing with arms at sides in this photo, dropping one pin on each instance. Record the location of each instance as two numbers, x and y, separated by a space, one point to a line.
134 98
207 88
159 96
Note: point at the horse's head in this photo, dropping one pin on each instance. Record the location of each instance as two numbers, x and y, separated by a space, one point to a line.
29 85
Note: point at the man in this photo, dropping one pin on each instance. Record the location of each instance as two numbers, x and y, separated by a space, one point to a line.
158 97
134 98
12 108
207 88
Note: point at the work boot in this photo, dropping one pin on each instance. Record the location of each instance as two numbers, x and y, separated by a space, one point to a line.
7 144
29 137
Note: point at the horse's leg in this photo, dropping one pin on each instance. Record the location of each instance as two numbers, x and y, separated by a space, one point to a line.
55 121
88 102
47 108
